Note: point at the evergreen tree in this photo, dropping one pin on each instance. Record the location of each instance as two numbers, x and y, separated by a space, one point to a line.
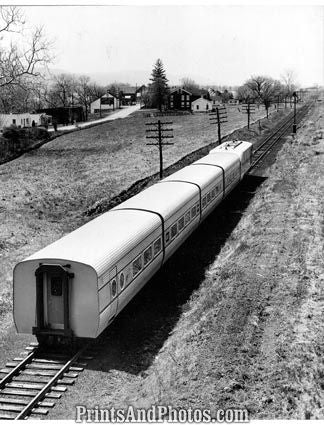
159 87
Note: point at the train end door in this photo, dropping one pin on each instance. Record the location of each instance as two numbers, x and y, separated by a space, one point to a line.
52 300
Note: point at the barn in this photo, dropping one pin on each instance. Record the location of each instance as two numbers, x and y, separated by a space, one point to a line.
107 102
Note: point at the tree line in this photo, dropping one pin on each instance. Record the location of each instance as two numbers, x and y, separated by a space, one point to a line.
23 85
24 82
266 90
257 89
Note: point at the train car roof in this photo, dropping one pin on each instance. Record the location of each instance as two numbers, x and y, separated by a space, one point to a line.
198 174
232 145
103 240
163 199
236 146
223 159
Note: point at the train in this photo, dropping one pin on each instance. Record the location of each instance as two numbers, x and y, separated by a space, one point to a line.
74 288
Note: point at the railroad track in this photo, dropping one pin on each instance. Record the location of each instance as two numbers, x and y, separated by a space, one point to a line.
32 383
261 151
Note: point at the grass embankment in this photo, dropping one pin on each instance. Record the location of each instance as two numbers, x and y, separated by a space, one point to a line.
45 193
252 334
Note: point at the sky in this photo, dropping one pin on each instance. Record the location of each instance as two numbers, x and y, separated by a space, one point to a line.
212 44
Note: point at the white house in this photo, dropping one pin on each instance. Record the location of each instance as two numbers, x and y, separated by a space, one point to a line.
107 102
201 105
233 102
20 120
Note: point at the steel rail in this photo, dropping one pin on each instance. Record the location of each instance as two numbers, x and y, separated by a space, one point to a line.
15 371
273 138
41 394
37 389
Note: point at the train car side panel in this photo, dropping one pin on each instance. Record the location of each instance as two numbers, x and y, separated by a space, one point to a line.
181 224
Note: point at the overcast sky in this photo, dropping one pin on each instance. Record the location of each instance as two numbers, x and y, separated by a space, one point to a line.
212 44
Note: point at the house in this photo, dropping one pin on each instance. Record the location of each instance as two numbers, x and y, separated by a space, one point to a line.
216 103
201 105
215 96
181 99
131 95
233 102
19 120
65 114
107 102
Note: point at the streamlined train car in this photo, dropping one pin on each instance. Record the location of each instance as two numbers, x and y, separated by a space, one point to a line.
208 180
229 164
75 287
240 148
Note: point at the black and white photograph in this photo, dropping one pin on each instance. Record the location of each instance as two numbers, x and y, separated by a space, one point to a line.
161 211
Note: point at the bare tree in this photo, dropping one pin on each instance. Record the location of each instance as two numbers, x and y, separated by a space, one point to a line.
96 91
83 90
63 90
245 94
263 88
189 84
27 55
289 81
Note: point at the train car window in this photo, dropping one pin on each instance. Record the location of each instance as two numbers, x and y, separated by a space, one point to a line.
56 286
197 207
128 275
137 266
174 231
167 237
113 288
193 211
148 254
208 198
213 193
187 217
121 280
157 246
204 200
181 223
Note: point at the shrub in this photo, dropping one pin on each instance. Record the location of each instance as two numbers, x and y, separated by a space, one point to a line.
16 140
14 133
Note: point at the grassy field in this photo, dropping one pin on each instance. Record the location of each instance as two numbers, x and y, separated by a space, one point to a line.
250 333
45 193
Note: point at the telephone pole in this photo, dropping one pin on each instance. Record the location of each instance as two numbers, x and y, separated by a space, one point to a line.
159 133
219 116
295 96
248 108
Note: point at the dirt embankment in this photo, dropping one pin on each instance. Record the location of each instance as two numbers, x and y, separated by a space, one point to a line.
252 334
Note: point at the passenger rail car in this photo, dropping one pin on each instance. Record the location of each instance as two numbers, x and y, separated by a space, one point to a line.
75 287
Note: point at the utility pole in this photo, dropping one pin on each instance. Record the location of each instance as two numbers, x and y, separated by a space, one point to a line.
248 108
158 132
295 96
219 117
